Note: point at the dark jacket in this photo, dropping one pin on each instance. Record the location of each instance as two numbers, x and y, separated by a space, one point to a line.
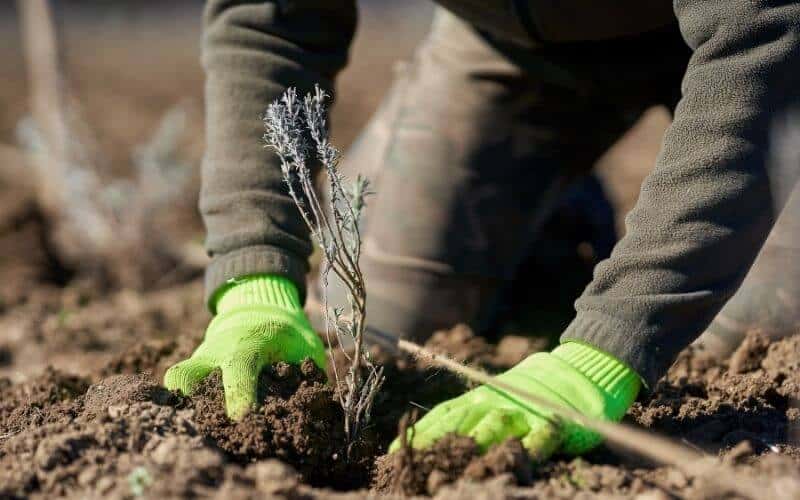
702 214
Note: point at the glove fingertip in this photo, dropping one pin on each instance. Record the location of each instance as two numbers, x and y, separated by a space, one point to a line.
185 376
238 403
542 442
237 410
240 382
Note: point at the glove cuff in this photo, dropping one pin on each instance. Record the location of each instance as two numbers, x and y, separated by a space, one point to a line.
258 290
619 383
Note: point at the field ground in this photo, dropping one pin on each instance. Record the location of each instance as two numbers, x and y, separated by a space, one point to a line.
94 426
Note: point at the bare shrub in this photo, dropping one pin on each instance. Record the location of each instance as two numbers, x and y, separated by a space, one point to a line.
98 226
298 133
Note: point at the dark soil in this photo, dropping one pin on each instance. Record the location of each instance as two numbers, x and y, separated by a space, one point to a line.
123 434
453 458
299 422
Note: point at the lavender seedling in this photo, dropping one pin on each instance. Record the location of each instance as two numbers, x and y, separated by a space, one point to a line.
298 133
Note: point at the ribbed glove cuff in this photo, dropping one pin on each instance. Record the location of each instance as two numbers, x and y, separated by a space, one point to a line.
258 290
614 378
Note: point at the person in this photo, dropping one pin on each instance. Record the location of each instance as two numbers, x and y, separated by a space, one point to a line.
503 106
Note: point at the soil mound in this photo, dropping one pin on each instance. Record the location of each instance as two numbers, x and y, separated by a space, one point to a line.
124 436
299 421
425 472
44 399
717 406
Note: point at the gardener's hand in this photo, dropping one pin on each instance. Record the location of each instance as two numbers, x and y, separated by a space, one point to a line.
260 321
574 375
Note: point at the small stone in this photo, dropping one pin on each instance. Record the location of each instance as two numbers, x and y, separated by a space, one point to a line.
88 476
637 486
282 370
207 460
117 411
676 478
164 453
274 477
436 479
105 484
738 453
652 495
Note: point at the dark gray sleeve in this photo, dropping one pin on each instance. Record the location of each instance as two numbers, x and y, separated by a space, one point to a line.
253 51
706 208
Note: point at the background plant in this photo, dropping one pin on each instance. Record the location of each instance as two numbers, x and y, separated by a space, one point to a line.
96 223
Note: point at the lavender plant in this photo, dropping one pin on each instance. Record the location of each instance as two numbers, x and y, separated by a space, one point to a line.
298 133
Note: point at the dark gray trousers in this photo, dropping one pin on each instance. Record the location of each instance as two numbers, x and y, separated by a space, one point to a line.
470 150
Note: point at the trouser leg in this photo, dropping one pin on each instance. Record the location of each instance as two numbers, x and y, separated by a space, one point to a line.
468 153
769 298
453 153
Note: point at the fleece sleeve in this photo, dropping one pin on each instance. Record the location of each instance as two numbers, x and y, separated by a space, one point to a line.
253 51
707 207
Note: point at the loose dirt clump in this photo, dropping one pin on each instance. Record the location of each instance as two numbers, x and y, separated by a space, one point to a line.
462 345
413 472
146 357
425 472
119 390
717 406
44 399
299 421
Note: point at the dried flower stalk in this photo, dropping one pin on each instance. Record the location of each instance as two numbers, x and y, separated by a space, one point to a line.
298 133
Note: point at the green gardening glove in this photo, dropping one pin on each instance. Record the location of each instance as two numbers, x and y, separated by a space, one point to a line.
259 321
574 375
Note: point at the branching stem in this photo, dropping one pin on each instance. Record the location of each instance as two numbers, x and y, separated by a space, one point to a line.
299 135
